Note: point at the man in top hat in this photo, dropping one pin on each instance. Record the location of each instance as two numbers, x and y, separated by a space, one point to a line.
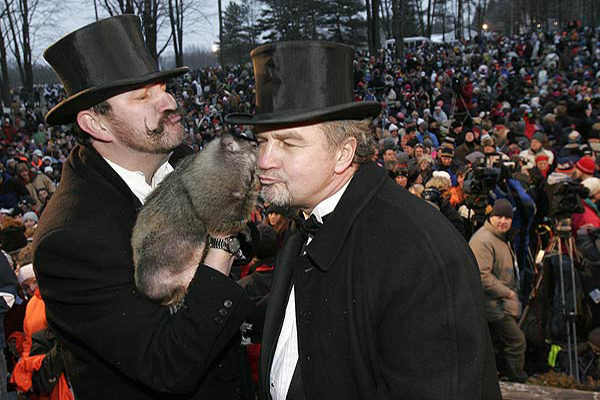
117 343
377 295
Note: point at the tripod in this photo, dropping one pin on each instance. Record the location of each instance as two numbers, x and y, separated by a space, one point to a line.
458 95
562 237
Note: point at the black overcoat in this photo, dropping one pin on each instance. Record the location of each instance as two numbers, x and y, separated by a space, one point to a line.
118 344
389 303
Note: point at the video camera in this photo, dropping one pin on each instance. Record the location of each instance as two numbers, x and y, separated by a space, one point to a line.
565 199
457 84
433 196
483 177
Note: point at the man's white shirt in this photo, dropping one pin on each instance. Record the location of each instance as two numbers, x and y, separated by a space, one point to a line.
136 180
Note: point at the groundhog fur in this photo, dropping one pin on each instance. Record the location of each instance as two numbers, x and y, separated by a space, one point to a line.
212 191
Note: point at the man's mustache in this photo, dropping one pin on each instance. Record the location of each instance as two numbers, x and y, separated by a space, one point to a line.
160 126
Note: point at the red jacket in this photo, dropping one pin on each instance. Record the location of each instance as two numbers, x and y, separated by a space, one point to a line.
589 216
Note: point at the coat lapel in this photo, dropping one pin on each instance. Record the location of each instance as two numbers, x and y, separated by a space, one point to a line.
96 164
326 246
275 313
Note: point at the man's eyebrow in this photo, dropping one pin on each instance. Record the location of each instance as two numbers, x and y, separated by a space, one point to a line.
289 134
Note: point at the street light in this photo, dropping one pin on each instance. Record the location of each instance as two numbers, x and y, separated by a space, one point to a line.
214 47
485 27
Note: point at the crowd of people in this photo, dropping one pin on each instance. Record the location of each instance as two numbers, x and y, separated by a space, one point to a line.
524 109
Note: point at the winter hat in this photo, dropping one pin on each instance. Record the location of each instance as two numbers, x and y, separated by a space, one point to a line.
593 184
389 143
30 215
565 167
472 157
541 157
412 142
392 127
13 238
539 136
446 151
585 165
502 208
487 140
25 272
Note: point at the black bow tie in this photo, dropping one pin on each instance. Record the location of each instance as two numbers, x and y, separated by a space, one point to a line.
310 226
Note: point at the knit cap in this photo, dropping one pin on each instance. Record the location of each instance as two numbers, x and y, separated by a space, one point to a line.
502 208
585 165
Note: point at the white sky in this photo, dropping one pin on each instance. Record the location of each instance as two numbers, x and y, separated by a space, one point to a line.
77 13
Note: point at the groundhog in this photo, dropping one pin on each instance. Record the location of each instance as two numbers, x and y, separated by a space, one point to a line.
212 191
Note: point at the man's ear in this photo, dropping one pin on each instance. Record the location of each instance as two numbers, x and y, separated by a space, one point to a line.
94 125
345 154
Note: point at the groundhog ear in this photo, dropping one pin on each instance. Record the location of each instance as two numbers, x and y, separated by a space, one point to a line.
230 144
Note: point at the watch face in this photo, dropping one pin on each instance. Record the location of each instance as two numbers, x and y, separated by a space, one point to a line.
233 245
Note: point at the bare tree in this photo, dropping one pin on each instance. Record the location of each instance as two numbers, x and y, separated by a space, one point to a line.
176 18
430 10
4 78
116 7
376 23
150 11
398 28
372 48
150 14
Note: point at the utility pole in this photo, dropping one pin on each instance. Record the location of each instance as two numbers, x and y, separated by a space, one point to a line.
221 36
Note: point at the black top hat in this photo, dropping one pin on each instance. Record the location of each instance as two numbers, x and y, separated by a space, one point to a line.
304 81
101 60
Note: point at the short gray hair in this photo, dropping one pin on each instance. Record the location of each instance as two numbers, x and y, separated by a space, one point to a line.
338 131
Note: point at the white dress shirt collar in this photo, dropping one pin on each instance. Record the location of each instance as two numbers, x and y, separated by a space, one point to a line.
327 206
136 180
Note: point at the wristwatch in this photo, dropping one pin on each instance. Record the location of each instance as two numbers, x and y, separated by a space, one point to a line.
230 244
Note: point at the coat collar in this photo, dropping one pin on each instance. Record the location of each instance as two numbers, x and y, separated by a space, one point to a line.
325 247
500 235
90 157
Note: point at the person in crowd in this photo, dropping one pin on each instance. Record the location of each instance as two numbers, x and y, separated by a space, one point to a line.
11 192
591 213
8 293
500 276
401 175
584 169
441 181
33 181
43 196
30 219
39 372
279 219
536 149
117 343
446 162
337 325
468 147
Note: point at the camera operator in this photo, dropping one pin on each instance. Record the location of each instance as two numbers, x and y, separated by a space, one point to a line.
500 279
